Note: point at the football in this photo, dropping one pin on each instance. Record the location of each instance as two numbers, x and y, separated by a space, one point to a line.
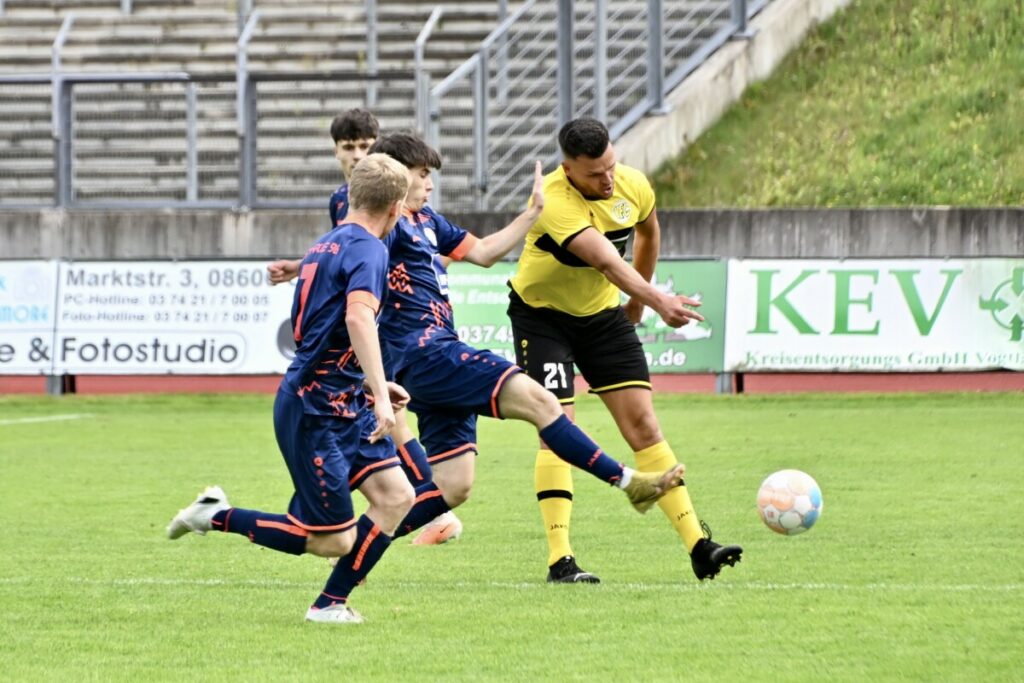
789 502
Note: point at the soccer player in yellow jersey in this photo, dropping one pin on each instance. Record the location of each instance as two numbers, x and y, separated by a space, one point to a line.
565 309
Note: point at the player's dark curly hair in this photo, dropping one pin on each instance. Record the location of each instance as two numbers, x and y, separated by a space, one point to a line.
355 124
407 148
583 137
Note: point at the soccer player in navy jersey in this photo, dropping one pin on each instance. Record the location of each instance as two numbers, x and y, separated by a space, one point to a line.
332 436
354 131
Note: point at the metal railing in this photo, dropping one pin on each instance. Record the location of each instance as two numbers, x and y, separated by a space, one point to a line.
422 76
149 140
615 60
245 110
197 138
244 11
467 89
55 61
152 156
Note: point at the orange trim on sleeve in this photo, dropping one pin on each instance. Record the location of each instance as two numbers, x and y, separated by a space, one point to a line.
361 296
467 243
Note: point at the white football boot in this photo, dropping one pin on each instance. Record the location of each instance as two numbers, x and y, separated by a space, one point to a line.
198 516
443 528
335 614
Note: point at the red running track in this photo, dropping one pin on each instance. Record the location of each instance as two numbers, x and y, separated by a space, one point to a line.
763 383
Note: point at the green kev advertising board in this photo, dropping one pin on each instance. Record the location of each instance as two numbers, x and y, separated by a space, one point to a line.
479 297
876 315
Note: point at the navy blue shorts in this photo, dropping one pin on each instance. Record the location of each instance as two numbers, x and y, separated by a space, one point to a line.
451 383
327 457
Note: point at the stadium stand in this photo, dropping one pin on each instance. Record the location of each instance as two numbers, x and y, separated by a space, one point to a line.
130 139
200 37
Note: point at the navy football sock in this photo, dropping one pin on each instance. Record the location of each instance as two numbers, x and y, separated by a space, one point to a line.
414 462
570 444
271 531
429 504
368 548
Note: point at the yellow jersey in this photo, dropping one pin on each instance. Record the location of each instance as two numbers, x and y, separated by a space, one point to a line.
548 274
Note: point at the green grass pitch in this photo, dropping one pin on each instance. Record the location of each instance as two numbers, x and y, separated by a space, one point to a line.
914 572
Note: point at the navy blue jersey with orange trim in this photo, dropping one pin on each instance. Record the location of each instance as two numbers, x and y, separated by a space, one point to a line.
338 206
348 262
417 306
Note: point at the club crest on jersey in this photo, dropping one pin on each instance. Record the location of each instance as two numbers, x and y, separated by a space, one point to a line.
429 232
622 211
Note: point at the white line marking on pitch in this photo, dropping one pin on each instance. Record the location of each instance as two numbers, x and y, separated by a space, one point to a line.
46 418
758 586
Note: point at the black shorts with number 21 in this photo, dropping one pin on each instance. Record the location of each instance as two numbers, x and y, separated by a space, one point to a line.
604 346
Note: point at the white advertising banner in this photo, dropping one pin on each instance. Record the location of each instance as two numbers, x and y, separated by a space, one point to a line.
27 297
158 317
877 315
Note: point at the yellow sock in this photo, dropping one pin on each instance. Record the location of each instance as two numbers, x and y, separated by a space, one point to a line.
676 503
552 479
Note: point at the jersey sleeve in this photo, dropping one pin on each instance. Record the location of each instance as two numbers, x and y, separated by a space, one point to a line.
452 240
564 216
330 210
339 206
365 263
645 198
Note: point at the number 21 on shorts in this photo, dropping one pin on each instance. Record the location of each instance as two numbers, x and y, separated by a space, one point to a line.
554 376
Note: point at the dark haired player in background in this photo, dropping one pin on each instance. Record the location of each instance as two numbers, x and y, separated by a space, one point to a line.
354 131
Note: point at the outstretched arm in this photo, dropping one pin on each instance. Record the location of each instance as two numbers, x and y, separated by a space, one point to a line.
596 251
489 250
